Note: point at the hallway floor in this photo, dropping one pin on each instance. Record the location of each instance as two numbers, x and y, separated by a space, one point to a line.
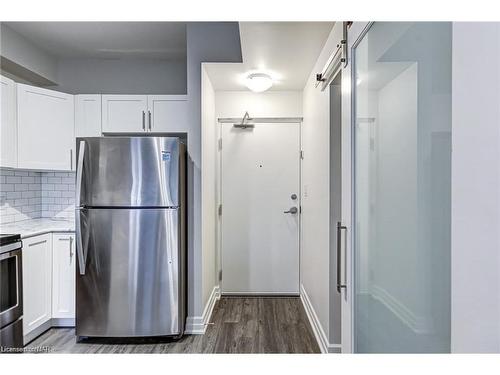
239 325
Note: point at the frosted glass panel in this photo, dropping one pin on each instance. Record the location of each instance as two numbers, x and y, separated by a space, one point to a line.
402 135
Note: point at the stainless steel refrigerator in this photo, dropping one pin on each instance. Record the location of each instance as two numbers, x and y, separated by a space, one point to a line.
130 236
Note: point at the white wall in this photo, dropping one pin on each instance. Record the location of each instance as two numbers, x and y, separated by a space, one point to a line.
476 188
315 256
208 186
121 76
266 104
22 52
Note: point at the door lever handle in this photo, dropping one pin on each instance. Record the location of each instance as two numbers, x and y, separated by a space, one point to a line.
292 210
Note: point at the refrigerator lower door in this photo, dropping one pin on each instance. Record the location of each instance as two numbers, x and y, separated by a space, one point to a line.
131 283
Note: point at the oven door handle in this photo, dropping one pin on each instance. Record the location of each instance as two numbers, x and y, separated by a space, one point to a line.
80 252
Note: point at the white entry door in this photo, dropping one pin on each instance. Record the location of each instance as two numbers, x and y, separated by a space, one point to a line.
260 208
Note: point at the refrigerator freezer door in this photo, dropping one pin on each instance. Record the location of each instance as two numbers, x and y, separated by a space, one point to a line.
129 171
133 273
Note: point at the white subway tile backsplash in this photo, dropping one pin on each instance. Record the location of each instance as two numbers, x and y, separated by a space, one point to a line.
28 180
54 180
13 180
30 194
13 194
21 187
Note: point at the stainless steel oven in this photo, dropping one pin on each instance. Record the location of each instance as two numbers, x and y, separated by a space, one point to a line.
11 291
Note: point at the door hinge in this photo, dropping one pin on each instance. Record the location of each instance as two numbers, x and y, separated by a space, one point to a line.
220 275
220 143
302 154
219 210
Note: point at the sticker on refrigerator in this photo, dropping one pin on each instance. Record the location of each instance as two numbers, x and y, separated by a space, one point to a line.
165 156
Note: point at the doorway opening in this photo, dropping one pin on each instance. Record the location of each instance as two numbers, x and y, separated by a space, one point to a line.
260 207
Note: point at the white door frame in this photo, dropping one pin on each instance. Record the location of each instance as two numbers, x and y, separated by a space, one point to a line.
227 121
354 35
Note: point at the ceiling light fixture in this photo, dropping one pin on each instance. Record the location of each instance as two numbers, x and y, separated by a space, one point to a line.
258 82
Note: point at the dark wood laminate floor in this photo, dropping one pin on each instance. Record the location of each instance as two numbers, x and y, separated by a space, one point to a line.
239 325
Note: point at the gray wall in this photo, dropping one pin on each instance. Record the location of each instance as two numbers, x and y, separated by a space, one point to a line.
121 76
24 62
25 59
206 42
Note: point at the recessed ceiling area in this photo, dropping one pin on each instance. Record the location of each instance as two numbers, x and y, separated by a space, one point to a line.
285 50
107 40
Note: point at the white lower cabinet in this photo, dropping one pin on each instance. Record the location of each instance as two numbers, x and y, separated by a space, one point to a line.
48 282
37 281
63 276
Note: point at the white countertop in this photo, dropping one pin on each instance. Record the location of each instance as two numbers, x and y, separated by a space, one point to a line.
34 227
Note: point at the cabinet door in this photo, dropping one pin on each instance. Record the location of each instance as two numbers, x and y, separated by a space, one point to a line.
124 113
87 115
37 281
167 113
46 124
63 275
8 145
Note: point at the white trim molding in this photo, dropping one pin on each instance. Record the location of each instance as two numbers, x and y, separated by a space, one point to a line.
318 330
418 324
197 325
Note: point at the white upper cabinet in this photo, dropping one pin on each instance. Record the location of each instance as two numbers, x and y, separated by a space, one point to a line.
63 275
37 281
8 130
87 115
124 113
46 121
167 113
144 113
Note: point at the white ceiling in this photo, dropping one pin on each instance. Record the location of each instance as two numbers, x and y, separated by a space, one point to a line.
162 40
286 50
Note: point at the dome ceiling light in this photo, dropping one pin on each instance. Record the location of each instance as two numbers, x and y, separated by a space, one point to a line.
258 82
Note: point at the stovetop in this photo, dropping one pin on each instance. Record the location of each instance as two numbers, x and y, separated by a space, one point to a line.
6 239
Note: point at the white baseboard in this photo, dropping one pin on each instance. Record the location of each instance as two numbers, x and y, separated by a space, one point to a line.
197 325
417 324
319 332
28 337
63 322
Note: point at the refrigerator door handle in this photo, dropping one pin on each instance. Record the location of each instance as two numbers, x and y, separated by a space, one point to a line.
79 172
79 243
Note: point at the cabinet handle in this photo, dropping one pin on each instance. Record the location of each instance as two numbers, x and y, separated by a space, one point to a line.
149 118
71 251
143 120
70 159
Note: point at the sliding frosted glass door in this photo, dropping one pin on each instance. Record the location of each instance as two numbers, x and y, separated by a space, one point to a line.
402 186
